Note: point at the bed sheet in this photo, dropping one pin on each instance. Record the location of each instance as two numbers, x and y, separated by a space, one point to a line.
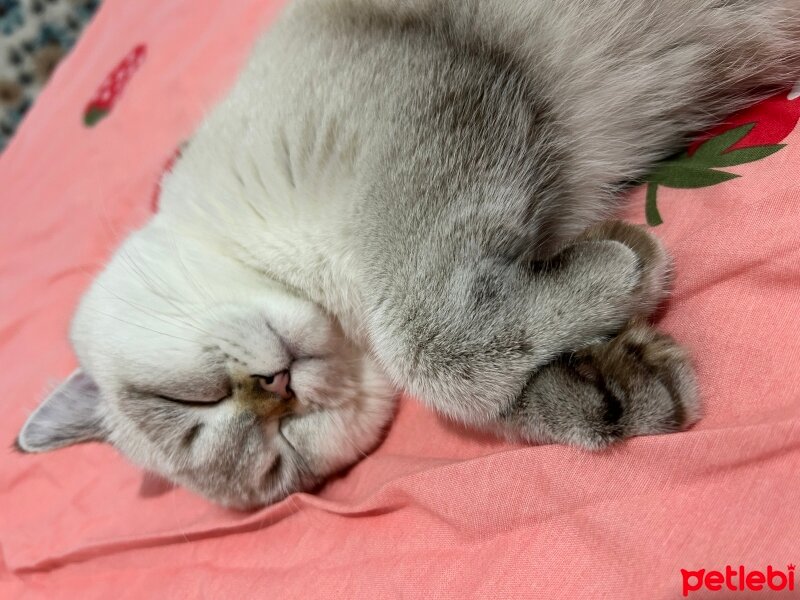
435 511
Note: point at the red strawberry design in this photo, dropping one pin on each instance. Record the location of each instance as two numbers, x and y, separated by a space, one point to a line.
774 119
753 134
111 88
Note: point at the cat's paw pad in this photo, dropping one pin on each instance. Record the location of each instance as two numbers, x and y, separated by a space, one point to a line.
643 383
639 383
655 264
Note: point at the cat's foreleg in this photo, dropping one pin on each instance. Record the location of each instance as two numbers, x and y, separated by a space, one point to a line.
465 333
639 382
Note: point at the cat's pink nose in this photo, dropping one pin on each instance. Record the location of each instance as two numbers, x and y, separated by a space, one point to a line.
277 384
282 385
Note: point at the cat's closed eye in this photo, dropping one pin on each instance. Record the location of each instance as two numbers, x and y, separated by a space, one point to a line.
194 402
277 384
190 388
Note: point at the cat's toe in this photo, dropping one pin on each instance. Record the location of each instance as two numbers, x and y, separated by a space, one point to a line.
655 263
647 376
639 383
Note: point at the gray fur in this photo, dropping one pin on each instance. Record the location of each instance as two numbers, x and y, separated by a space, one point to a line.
422 172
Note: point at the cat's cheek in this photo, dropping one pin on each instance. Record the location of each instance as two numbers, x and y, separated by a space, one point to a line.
318 438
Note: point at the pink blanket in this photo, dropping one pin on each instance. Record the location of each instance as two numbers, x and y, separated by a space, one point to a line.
435 512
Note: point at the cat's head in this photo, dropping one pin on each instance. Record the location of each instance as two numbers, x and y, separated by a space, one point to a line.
213 376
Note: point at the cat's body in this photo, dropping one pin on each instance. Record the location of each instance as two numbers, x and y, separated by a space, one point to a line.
407 167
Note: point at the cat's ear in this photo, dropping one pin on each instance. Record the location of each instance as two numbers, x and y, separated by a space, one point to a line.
68 416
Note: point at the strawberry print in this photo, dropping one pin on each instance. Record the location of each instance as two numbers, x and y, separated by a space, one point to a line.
750 135
111 88
774 120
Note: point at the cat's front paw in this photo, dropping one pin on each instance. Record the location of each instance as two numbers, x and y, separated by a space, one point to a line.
655 264
645 379
639 383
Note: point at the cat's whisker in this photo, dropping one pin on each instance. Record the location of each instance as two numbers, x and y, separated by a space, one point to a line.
203 290
105 219
140 326
163 296
164 318
362 454
147 278
176 513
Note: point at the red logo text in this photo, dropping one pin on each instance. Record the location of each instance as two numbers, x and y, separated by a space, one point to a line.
738 579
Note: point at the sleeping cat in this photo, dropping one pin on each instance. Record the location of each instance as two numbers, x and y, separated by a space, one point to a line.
409 195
